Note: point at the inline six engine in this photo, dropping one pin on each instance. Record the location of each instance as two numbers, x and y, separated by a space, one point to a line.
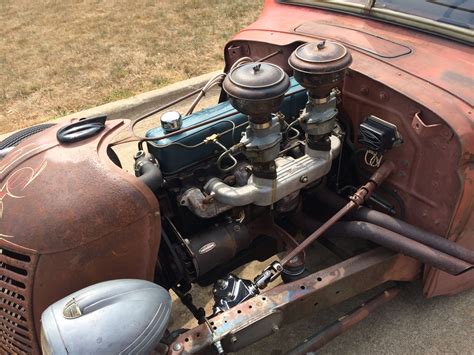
237 182
277 139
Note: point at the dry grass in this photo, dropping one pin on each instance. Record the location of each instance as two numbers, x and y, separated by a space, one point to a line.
61 56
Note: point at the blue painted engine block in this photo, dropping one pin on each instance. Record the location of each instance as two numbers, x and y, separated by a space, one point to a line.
177 152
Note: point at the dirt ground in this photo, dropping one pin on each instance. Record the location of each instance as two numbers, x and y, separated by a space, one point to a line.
62 56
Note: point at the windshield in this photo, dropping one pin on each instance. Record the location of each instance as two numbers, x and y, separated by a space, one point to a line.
454 12
454 18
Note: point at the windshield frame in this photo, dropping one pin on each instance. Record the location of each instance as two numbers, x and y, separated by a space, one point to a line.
368 10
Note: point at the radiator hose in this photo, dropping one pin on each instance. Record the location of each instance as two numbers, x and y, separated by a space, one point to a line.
147 169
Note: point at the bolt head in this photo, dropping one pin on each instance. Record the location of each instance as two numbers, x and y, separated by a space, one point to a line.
364 90
222 284
177 347
304 179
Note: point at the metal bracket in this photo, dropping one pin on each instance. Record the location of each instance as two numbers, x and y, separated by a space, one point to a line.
429 130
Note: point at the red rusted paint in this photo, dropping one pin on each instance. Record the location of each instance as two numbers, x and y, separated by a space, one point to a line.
18 181
79 213
101 223
435 78
278 25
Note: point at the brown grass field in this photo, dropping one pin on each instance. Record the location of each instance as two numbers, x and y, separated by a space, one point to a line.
61 56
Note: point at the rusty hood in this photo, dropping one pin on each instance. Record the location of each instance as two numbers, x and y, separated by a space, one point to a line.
50 192
69 218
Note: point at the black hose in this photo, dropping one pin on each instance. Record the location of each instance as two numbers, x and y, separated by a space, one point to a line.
395 242
330 198
148 170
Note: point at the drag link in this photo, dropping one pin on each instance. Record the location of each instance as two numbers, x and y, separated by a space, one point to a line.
271 272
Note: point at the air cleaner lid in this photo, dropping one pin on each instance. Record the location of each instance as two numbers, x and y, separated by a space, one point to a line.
320 58
256 81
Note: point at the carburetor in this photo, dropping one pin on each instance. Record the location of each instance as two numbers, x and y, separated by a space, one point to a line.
256 90
320 68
